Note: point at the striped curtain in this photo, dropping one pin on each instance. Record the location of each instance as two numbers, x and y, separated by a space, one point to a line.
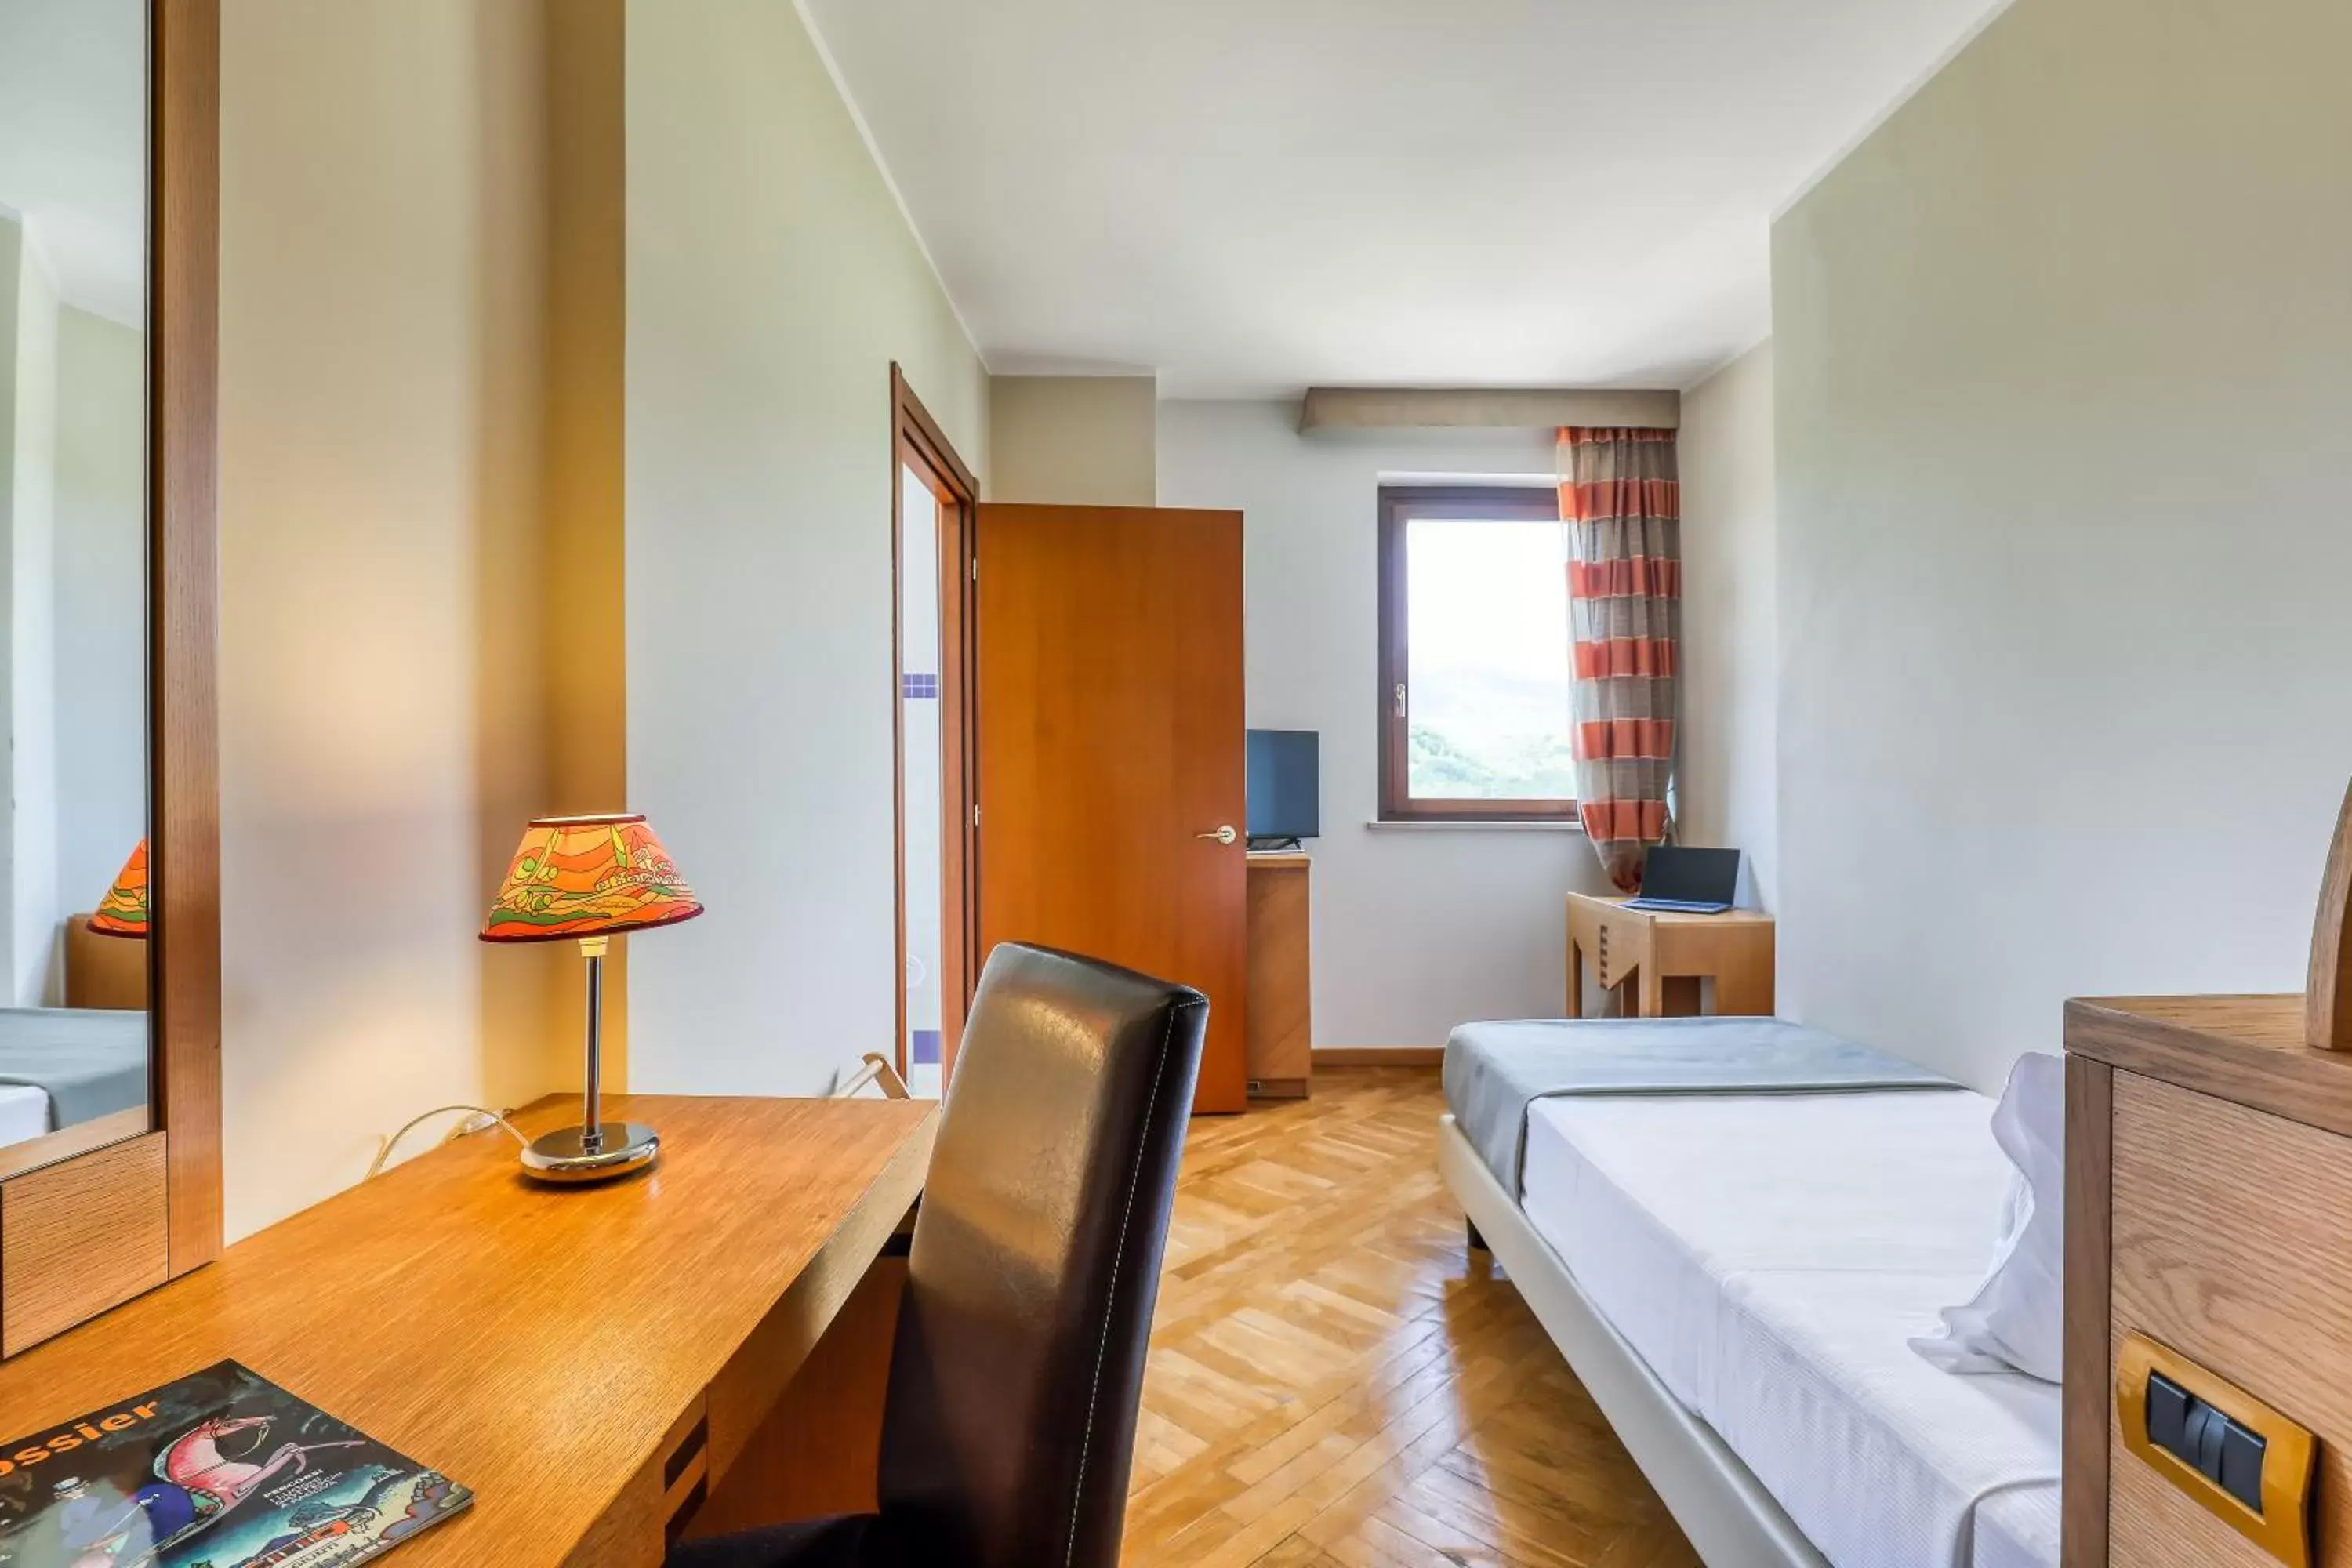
1621 499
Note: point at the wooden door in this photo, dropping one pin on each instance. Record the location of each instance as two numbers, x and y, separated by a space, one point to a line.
1110 737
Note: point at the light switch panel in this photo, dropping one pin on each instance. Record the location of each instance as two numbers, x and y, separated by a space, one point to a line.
2241 1461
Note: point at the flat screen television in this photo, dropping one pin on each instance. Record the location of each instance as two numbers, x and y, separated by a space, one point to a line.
1285 795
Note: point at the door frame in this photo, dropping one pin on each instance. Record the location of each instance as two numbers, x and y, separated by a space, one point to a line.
917 443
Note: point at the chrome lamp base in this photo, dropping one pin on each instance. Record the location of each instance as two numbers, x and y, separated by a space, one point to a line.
595 1150
570 1155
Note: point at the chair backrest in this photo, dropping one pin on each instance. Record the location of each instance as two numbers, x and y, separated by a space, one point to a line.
1018 1366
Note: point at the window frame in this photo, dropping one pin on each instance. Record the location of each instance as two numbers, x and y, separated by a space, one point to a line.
1400 504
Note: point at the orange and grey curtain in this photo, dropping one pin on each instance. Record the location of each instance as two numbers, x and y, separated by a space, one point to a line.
1621 499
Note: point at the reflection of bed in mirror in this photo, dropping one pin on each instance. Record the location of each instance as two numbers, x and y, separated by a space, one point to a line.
60 1066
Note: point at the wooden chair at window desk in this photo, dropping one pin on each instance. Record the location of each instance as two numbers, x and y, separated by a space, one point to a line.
877 1068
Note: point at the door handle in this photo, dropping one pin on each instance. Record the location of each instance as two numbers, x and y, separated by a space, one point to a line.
1225 835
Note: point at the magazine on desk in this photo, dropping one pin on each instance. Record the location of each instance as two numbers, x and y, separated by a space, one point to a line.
221 1469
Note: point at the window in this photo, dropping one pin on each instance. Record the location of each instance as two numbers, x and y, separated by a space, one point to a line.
1475 700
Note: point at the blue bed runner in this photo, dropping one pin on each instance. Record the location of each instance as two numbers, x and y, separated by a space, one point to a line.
1494 1071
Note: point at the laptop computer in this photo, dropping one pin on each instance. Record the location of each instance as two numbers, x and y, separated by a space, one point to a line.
1681 880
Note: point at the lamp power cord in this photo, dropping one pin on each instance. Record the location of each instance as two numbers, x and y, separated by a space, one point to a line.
482 1118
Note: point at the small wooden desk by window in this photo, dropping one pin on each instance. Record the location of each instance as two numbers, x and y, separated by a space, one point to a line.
1667 955
606 1367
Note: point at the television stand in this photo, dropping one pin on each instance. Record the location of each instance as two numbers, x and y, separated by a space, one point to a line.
1279 1025
1275 846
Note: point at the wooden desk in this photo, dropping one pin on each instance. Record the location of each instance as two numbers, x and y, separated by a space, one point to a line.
1669 954
592 1361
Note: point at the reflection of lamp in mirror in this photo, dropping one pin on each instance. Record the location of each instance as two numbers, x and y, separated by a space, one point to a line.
586 878
124 911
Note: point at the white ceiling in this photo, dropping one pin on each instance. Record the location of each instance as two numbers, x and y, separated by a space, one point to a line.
1250 196
73 144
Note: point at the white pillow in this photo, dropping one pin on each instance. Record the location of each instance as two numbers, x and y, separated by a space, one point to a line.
2015 1319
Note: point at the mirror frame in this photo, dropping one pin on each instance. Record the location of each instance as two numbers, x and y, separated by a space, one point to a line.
89 1229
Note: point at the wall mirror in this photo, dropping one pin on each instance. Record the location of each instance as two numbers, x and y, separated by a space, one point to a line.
75 1062
109 922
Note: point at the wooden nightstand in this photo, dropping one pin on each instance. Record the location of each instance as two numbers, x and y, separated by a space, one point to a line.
2209 1178
2208 1191
1668 955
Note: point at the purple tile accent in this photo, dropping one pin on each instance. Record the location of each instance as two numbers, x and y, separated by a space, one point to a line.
919 685
925 1044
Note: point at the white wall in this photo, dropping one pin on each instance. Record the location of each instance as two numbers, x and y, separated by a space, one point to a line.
72 513
13 260
2064 360
102 602
771 280
1726 768
1413 931
30 426
72 241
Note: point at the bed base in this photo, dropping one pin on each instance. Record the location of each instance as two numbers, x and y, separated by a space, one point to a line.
1731 1520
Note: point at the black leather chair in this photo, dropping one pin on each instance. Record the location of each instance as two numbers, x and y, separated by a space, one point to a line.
1018 1365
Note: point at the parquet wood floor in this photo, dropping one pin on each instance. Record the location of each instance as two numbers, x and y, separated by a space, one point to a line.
1336 1382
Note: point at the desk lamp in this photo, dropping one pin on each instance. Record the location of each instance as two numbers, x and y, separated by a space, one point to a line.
123 910
586 878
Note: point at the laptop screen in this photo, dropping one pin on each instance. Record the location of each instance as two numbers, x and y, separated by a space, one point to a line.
1691 876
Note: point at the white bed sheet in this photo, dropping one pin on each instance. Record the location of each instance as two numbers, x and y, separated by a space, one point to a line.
1769 1256
24 1112
2019 1528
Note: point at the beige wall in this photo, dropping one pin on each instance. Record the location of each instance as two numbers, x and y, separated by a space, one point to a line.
2065 355
1725 773
423 394
386 539
583 634
1074 440
771 281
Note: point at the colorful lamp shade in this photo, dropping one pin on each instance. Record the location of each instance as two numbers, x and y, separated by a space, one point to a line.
123 910
588 876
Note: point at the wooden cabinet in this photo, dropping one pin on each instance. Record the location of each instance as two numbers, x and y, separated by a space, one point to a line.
81 1235
1281 1009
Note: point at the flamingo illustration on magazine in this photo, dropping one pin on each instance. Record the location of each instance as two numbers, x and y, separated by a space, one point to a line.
220 1469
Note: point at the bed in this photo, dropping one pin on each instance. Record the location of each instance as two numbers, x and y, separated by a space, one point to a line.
1736 1276
63 1065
